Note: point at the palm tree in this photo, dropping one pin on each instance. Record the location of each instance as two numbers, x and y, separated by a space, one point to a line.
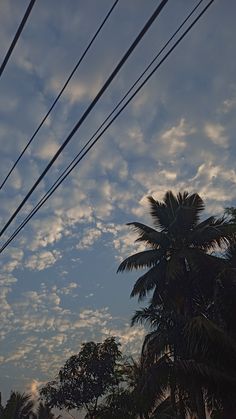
44 412
19 406
182 277
119 404
135 376
179 252
203 358
132 400
163 410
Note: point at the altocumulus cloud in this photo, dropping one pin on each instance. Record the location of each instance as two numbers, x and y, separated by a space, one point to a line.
177 134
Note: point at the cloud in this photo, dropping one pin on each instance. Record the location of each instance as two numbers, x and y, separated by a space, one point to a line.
216 133
33 388
15 256
42 260
77 90
47 150
47 231
175 138
124 243
130 338
177 134
229 105
90 236
69 289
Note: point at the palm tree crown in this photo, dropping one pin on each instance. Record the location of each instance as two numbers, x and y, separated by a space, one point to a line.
179 247
19 406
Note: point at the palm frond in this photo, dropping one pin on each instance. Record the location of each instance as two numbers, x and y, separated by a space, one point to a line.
154 278
199 261
215 234
205 223
208 342
181 197
175 266
150 315
150 236
159 214
145 259
172 204
189 370
193 200
164 410
18 405
230 254
158 376
155 344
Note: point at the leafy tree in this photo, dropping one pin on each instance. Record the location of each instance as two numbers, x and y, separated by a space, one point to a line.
85 378
19 406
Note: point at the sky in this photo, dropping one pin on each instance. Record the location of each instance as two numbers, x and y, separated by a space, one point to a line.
58 281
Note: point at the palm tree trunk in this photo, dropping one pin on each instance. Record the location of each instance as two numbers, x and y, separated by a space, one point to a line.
181 407
201 411
173 387
173 399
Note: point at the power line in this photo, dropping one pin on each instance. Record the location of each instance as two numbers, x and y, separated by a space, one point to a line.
16 37
60 93
52 188
72 166
89 109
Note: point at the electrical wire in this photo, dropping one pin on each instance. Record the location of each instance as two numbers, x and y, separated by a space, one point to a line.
89 109
119 103
72 166
17 35
60 93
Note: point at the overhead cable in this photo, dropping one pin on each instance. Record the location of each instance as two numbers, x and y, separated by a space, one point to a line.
72 166
16 37
59 94
89 109
119 103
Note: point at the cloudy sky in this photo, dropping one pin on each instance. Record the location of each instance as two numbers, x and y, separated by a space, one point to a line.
58 281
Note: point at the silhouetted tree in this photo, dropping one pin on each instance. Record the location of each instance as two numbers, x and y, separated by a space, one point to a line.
84 378
19 406
183 274
44 412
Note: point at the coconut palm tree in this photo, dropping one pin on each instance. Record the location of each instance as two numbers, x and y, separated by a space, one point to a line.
135 376
182 274
179 251
19 406
204 358
132 400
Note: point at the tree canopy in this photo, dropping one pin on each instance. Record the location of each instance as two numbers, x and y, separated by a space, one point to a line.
84 378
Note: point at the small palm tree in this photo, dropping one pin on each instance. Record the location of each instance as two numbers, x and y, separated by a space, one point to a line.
44 412
19 406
